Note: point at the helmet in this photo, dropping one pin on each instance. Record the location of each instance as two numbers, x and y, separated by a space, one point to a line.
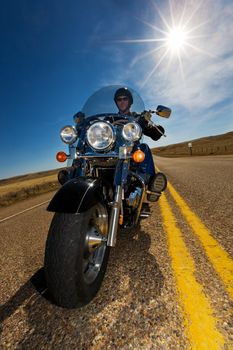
123 92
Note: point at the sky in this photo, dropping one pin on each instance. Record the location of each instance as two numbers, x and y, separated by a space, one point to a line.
55 54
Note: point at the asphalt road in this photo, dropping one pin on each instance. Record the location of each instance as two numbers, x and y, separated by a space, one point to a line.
166 287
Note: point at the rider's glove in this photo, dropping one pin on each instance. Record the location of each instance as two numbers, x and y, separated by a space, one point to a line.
145 119
147 116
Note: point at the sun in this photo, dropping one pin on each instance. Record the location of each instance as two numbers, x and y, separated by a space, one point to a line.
176 39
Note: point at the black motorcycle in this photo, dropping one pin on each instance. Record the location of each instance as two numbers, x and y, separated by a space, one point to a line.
102 190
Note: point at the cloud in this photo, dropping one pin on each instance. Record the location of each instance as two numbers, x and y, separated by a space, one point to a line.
207 70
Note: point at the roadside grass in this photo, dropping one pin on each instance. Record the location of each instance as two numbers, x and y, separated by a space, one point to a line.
22 187
212 145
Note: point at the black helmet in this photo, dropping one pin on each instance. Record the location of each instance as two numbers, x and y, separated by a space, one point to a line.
123 92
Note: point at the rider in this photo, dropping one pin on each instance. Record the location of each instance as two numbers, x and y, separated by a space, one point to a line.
157 182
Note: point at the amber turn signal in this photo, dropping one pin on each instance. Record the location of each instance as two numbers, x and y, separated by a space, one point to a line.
138 156
121 219
61 157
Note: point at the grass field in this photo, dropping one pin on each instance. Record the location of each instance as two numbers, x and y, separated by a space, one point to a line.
25 186
212 145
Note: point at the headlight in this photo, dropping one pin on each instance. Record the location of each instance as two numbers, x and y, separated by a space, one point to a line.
132 132
68 134
100 136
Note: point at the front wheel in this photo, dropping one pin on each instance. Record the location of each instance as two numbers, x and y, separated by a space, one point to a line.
76 256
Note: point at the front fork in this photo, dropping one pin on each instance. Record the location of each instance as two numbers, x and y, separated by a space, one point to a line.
120 179
114 217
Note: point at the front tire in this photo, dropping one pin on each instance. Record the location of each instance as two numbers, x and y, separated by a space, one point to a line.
74 268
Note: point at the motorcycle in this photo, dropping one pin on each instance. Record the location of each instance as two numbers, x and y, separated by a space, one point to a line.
102 190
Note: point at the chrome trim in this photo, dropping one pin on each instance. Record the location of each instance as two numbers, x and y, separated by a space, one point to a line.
91 155
94 240
73 152
145 215
125 152
95 243
142 196
75 134
138 136
114 217
97 234
113 136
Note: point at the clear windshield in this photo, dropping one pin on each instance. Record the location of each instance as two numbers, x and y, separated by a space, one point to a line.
102 102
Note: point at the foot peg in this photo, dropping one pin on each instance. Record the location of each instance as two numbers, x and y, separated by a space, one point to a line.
156 186
145 212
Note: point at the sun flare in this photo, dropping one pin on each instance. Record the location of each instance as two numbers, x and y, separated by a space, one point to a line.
176 39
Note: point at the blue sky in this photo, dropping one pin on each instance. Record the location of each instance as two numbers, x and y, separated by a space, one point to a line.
54 54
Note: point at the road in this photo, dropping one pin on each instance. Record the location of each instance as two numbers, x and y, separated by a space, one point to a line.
167 287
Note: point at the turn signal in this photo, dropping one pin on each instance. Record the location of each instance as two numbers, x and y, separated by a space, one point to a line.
61 157
138 156
121 219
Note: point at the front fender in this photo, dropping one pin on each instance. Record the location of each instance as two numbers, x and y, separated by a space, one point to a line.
77 195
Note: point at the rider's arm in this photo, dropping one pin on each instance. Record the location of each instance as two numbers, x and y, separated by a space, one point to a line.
154 132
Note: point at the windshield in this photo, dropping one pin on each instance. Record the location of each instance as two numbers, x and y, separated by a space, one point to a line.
102 102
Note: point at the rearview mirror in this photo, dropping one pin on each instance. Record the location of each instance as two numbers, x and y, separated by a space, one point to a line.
163 111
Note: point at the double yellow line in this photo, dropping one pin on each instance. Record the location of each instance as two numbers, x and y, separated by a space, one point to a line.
200 322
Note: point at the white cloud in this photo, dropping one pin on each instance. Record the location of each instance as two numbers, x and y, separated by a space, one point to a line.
207 77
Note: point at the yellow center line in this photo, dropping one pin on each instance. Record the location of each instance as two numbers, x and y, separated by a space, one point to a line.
219 258
199 320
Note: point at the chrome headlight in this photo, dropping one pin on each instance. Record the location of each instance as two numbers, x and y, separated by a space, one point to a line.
68 134
100 136
132 131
